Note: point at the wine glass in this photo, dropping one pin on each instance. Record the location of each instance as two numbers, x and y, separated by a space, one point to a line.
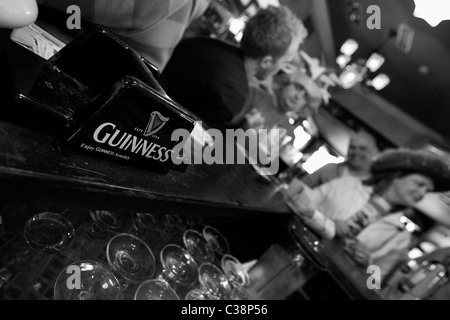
145 223
114 222
234 270
241 293
152 229
197 246
200 294
155 289
87 280
49 232
216 240
213 280
179 267
130 258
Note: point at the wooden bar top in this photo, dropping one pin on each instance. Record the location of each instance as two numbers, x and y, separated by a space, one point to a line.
38 166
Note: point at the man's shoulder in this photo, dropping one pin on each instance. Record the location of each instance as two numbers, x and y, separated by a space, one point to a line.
203 41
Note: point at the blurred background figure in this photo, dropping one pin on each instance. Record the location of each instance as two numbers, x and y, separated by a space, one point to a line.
153 28
424 278
289 95
362 149
211 77
17 13
413 173
345 206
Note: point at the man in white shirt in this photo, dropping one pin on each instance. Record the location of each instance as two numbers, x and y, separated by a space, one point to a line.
361 151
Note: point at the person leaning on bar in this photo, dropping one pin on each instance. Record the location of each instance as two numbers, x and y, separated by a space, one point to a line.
211 77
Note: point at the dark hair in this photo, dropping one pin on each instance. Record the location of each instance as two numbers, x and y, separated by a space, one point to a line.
270 32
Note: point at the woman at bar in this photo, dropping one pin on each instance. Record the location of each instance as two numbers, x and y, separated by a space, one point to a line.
399 179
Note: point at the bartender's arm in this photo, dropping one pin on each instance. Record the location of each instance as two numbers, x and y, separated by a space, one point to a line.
134 14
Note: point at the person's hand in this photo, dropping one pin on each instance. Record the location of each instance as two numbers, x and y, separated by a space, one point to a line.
359 252
342 228
295 188
299 197
254 118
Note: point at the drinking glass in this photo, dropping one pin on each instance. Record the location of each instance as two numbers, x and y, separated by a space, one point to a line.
214 281
87 280
199 294
241 293
198 246
130 258
152 229
234 270
155 289
147 224
115 222
179 267
49 232
216 240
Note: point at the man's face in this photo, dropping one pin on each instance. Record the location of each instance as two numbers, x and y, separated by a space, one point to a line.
277 64
361 151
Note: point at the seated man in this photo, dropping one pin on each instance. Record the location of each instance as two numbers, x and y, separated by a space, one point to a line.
361 151
211 78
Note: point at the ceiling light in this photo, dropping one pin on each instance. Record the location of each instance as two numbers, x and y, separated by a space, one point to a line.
355 71
380 81
349 47
432 11
374 62
342 60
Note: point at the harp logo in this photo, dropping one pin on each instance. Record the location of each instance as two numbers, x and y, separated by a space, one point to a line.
156 123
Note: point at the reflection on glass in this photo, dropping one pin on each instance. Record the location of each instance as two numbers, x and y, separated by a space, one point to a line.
155 290
234 270
49 232
115 222
216 240
200 294
241 293
197 246
130 257
214 281
179 266
86 280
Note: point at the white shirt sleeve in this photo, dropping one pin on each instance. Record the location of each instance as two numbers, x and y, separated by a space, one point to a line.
320 223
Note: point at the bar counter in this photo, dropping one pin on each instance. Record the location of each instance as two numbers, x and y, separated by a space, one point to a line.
35 165
349 276
35 168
